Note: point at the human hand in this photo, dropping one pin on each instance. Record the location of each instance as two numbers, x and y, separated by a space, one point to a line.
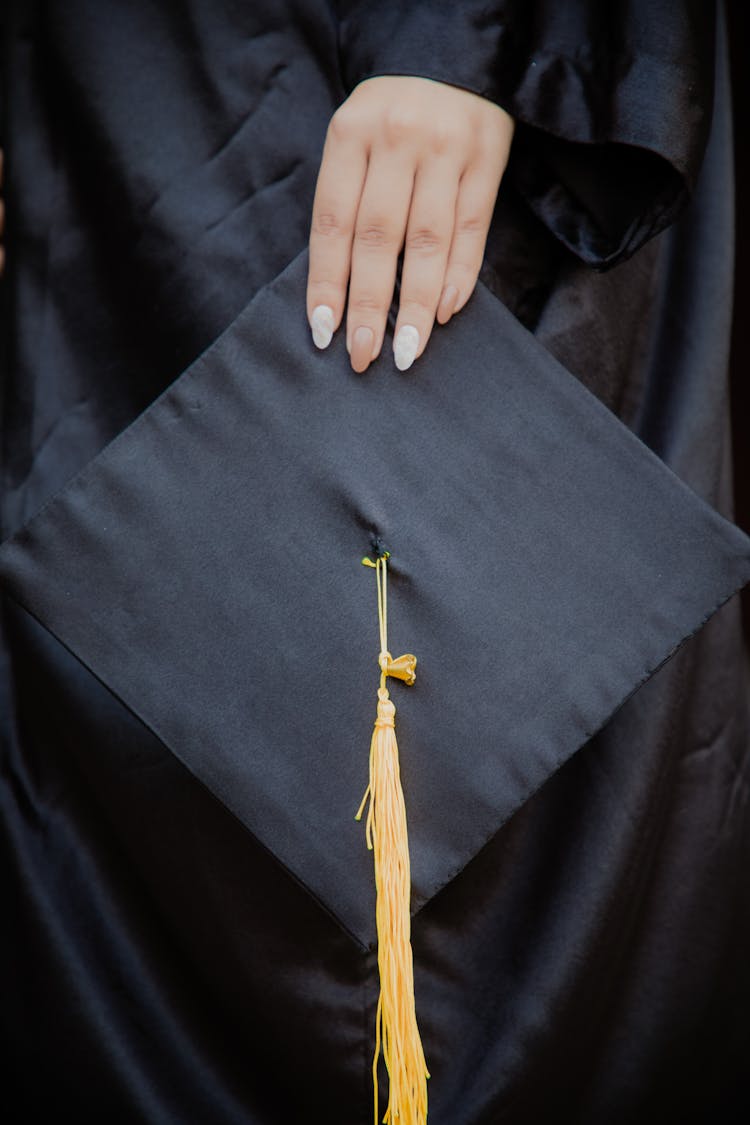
413 163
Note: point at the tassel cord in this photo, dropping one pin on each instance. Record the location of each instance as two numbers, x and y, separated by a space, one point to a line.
396 1030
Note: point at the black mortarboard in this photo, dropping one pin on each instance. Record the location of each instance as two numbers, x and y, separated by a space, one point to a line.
206 566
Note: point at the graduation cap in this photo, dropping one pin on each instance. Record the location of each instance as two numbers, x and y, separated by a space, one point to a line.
539 561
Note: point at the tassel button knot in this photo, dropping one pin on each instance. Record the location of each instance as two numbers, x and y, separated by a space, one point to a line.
386 710
402 668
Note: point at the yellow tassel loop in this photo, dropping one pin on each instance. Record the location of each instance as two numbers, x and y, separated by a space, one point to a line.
386 835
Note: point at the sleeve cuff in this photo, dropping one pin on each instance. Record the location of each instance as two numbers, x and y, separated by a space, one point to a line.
613 111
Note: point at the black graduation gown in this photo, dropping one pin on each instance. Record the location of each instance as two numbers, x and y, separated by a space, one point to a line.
588 963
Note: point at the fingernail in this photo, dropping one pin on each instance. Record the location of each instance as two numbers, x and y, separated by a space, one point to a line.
447 303
405 346
363 342
321 323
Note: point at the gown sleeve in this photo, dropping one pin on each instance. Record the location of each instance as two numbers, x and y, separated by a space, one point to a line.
612 101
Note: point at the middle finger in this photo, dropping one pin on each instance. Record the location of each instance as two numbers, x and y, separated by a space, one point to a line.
378 237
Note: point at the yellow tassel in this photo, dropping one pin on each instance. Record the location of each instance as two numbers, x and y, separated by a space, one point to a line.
386 835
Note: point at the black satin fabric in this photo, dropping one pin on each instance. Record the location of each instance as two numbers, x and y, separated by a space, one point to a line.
589 962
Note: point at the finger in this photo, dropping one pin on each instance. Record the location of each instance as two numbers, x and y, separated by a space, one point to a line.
378 238
477 192
337 195
427 245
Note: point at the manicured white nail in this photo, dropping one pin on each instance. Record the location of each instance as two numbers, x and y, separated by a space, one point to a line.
321 323
405 346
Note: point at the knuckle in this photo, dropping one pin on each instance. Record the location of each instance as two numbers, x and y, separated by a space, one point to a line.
365 303
444 138
399 125
471 224
424 239
320 285
374 234
464 273
420 303
343 125
328 224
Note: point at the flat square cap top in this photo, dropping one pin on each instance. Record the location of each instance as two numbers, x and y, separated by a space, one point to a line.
206 566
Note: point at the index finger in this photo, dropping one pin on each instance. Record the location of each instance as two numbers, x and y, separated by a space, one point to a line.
337 194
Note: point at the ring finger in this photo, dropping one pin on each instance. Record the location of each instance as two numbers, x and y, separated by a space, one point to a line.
428 240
